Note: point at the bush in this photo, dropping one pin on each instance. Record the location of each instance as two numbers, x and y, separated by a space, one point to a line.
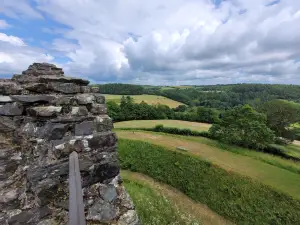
245 127
233 196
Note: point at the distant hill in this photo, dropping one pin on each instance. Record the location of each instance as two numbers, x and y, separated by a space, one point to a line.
212 96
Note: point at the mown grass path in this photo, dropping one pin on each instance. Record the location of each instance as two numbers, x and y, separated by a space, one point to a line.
195 126
278 178
177 199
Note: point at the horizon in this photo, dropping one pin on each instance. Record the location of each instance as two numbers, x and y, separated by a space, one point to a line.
194 42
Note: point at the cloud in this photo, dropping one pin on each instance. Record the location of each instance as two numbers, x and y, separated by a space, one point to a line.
19 9
16 56
176 41
3 24
11 40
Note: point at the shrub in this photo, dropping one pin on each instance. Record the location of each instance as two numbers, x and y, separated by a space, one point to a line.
233 196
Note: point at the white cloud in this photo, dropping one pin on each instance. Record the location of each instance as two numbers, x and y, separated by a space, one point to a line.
3 24
187 41
18 9
11 40
16 56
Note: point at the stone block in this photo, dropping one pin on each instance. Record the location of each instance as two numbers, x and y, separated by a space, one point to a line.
100 99
84 128
6 124
84 99
85 89
102 212
10 88
95 89
103 123
100 140
33 98
32 216
37 87
79 111
44 111
129 218
11 109
66 88
5 99
98 109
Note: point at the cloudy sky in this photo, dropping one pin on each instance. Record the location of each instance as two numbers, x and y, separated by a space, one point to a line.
158 42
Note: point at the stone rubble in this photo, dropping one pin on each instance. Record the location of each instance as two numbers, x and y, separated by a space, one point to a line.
44 117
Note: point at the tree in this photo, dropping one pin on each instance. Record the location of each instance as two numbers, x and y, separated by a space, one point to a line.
243 126
281 115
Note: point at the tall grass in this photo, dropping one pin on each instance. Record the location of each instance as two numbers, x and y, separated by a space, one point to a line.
233 196
153 208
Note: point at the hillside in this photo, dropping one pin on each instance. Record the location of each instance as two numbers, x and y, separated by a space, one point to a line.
149 99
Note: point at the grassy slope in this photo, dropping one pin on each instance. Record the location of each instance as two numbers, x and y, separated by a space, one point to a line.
167 123
235 197
165 202
150 99
279 178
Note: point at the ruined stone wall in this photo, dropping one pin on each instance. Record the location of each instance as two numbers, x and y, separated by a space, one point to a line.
44 116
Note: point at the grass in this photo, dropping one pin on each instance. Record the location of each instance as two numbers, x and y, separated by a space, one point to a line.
151 205
232 196
250 164
149 99
167 123
191 211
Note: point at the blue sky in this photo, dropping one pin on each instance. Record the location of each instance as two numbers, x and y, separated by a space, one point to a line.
174 42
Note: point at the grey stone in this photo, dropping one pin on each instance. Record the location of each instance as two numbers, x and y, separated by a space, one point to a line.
84 99
5 99
102 212
57 131
31 217
33 98
6 124
44 111
72 119
100 99
37 87
108 192
124 198
63 100
84 128
9 88
63 79
98 109
129 218
100 140
66 88
10 195
79 111
103 123
95 89
11 109
85 89
46 222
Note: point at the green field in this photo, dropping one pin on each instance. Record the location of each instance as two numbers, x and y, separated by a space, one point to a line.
253 165
235 197
167 123
149 99
158 203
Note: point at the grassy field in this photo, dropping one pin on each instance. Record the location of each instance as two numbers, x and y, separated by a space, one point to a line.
158 203
150 99
167 123
253 166
235 197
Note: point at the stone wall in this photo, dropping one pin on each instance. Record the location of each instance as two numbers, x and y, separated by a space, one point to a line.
44 117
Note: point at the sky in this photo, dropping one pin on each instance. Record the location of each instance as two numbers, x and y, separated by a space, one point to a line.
170 42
